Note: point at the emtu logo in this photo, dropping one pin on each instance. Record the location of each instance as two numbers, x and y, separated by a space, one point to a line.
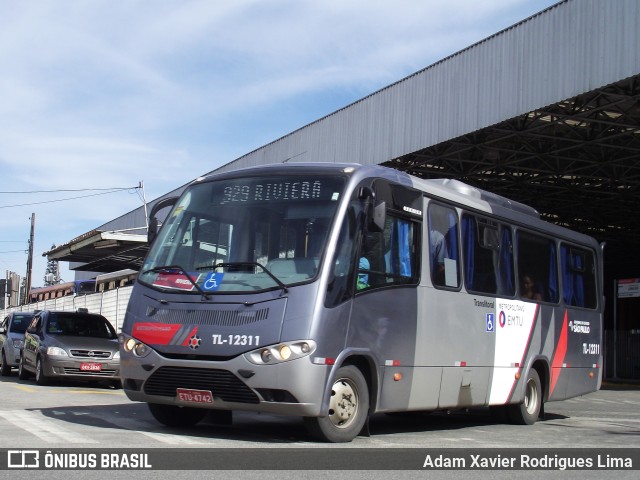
23 459
502 319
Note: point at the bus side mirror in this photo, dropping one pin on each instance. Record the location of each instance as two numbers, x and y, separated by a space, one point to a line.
378 217
376 214
152 229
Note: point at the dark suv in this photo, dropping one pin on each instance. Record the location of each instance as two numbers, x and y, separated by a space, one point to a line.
70 345
12 331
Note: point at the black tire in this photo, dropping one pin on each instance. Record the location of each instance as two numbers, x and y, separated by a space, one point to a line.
527 412
41 377
22 372
348 408
173 416
5 369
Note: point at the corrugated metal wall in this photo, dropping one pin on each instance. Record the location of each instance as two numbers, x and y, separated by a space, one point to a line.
111 304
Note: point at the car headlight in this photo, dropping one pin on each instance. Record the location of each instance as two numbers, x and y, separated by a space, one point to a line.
281 352
57 352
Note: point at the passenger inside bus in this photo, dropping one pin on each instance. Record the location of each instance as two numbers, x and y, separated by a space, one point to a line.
529 290
363 278
438 254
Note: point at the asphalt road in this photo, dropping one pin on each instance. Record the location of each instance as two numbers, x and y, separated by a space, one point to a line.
94 418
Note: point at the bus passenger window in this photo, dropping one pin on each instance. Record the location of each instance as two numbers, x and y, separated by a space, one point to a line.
537 260
443 246
389 257
488 256
578 277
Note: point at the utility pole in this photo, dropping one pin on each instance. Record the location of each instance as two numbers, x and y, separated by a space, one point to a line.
27 283
144 202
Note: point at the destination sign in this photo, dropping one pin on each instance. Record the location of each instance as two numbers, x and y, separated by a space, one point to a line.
258 190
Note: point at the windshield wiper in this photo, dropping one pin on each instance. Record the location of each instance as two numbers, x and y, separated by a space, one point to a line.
247 264
173 268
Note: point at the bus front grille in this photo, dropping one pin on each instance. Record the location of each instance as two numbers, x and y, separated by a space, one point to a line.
221 383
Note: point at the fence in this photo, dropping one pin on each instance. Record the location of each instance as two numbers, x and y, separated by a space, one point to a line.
111 304
622 354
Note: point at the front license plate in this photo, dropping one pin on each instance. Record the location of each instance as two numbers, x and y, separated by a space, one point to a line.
90 367
194 396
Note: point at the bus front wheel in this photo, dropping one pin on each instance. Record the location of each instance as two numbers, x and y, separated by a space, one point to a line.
348 408
527 412
173 416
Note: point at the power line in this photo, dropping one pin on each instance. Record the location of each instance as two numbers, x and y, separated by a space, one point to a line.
71 190
70 198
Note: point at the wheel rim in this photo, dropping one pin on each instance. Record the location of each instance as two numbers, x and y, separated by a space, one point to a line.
531 397
38 370
344 403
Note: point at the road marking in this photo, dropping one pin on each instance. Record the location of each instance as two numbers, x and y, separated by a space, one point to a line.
24 388
47 430
98 392
170 438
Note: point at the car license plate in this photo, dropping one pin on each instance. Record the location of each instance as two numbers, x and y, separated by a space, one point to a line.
194 396
90 367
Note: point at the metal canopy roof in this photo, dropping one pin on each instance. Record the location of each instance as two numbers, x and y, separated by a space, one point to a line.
102 251
576 161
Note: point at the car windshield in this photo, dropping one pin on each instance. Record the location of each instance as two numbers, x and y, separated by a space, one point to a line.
246 234
19 323
80 325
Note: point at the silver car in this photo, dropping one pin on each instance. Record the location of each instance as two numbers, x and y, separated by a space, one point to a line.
11 336
70 345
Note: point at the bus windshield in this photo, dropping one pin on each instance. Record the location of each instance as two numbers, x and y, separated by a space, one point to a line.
246 234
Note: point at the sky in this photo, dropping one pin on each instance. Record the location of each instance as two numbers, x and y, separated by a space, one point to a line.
98 97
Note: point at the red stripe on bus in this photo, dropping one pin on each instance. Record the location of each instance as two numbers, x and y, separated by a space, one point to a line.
559 356
155 333
188 339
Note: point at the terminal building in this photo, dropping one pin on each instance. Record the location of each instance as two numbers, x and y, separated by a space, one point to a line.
546 112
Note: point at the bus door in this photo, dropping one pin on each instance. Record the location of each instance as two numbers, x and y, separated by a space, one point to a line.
384 310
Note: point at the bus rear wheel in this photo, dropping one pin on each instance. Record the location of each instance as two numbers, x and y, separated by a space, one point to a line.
527 412
348 408
173 416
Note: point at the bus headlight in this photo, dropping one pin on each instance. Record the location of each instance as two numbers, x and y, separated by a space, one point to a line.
131 345
281 352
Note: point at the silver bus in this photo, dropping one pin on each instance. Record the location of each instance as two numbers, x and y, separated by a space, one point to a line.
336 291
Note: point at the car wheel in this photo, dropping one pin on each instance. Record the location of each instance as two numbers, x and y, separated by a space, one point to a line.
5 369
41 378
22 372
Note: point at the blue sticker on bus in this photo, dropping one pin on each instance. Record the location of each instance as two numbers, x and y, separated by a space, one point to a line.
212 282
491 323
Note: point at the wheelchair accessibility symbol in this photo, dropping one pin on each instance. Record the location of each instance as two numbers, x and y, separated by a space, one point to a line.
491 323
212 282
